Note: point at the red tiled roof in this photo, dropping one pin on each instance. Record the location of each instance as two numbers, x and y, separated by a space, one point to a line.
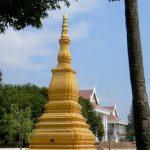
111 108
113 118
99 107
85 93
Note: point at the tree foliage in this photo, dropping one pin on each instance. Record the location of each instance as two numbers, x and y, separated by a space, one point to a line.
130 126
1 76
18 124
92 119
21 13
23 96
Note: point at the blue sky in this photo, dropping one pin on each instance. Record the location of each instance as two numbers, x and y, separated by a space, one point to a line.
98 47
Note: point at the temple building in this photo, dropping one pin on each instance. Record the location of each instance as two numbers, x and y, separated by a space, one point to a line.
114 127
62 126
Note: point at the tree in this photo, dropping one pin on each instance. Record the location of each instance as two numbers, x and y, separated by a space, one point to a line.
21 13
3 107
27 95
92 119
141 111
1 77
130 126
19 124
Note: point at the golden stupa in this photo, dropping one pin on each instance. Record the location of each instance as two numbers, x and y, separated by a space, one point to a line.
62 126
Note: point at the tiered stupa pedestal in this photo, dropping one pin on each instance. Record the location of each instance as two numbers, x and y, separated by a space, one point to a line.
62 126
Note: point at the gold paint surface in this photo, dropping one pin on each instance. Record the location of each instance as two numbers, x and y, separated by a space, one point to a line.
62 126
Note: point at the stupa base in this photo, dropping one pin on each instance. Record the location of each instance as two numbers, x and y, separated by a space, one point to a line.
64 147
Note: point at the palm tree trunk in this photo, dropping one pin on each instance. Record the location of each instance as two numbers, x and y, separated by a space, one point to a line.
141 109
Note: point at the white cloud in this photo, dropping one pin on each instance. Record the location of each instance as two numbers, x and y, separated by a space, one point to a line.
25 50
18 48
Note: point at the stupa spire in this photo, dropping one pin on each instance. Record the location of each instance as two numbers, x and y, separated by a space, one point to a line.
65 27
64 57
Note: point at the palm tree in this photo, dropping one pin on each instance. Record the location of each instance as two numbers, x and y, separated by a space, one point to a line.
141 109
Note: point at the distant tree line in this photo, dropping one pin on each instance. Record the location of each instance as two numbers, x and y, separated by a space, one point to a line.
22 105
